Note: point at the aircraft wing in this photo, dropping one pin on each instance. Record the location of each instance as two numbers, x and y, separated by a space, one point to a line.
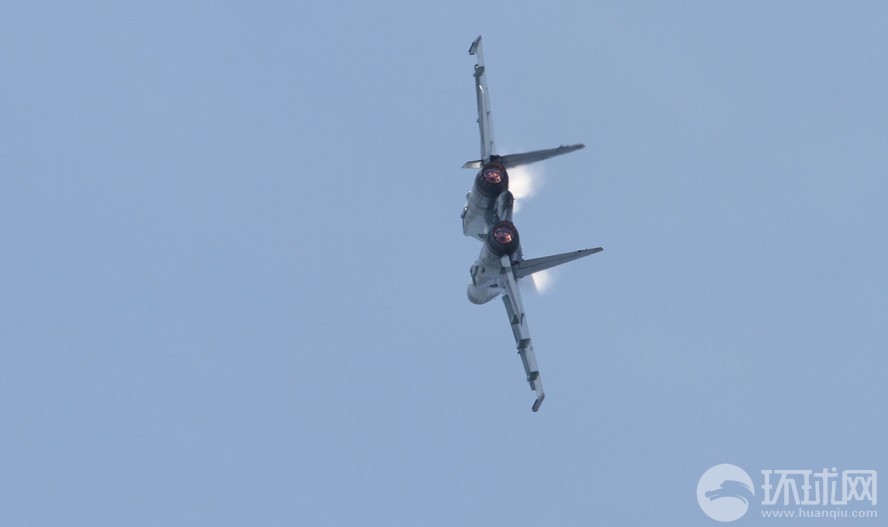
526 158
528 267
485 123
515 310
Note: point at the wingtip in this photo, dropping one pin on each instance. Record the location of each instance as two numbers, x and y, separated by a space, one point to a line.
474 47
587 252
538 402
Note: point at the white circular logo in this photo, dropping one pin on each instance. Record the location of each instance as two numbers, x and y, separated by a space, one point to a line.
724 492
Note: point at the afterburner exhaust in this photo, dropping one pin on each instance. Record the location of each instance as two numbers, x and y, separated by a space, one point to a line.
492 180
503 238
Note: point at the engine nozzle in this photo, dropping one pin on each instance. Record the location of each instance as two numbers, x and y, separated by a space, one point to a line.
493 179
503 238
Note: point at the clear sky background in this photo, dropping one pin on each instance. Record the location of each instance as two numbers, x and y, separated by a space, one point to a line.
232 278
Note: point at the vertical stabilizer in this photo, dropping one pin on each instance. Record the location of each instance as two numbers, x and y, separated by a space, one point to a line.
485 121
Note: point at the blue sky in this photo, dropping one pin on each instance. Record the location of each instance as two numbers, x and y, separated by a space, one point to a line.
233 277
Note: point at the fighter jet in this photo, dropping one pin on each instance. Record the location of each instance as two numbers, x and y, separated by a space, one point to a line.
487 217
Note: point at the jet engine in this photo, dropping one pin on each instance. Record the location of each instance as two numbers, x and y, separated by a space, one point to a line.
492 180
478 214
503 238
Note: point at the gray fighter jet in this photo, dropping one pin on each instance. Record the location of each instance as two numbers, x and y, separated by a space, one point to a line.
487 216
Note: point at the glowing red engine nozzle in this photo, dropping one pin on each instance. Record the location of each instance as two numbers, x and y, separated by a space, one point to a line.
493 173
503 238
503 235
493 179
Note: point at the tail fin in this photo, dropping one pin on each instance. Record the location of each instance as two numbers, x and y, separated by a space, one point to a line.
528 267
526 158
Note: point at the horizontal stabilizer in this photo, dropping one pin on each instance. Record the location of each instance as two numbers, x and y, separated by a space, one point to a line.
528 267
515 160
